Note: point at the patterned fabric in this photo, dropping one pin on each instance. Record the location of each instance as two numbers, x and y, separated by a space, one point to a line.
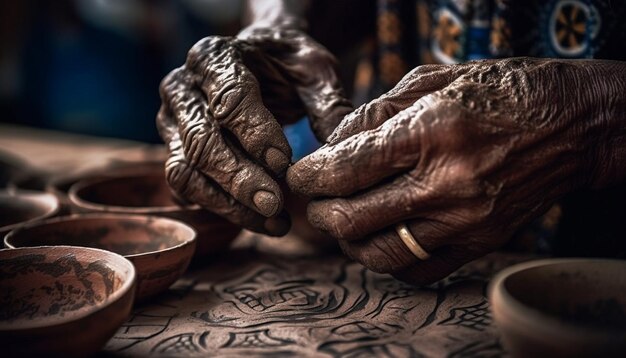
414 32
391 61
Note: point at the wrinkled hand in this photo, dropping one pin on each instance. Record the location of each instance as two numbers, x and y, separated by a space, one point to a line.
221 119
464 155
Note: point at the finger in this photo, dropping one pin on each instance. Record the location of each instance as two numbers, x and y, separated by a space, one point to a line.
317 83
234 99
312 70
385 252
418 83
360 215
206 150
278 92
440 265
189 183
166 124
326 104
361 160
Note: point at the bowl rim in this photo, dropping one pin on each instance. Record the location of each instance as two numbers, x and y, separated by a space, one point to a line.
132 168
530 316
74 198
32 196
129 284
191 239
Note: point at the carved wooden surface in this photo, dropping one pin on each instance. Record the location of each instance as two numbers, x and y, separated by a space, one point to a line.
250 303
263 299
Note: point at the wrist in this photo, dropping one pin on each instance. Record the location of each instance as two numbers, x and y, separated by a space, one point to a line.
285 14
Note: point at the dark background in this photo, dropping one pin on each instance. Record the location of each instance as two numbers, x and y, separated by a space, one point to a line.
94 66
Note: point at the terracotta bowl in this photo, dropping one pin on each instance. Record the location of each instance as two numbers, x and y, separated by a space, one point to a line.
18 208
63 300
562 307
10 167
60 188
148 193
160 248
60 185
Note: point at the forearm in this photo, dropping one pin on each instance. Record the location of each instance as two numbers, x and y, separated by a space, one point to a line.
609 159
284 13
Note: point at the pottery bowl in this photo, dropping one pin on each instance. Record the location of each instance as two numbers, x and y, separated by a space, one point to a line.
60 185
148 193
562 307
160 248
17 208
62 300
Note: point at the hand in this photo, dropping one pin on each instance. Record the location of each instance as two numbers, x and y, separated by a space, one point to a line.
464 155
221 119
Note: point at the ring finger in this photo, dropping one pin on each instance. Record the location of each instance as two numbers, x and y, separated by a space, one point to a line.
385 252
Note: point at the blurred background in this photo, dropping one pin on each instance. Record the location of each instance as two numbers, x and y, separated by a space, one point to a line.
94 66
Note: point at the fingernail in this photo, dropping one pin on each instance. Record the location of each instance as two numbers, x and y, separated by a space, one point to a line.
277 226
267 203
276 160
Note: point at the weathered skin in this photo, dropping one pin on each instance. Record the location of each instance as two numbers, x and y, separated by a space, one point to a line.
465 155
223 109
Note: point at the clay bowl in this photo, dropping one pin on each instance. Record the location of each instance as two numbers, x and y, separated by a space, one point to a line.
18 208
562 307
160 248
148 193
10 167
60 185
63 300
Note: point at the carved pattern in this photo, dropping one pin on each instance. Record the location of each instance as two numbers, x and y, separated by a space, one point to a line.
475 317
255 339
180 344
484 348
140 327
327 307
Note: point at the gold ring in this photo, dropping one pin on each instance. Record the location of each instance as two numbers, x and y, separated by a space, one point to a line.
411 243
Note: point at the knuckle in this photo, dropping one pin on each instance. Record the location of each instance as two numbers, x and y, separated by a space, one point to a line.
368 255
319 55
378 263
207 48
178 174
424 69
165 125
331 218
170 83
517 63
200 144
391 256
419 72
382 254
484 212
226 99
